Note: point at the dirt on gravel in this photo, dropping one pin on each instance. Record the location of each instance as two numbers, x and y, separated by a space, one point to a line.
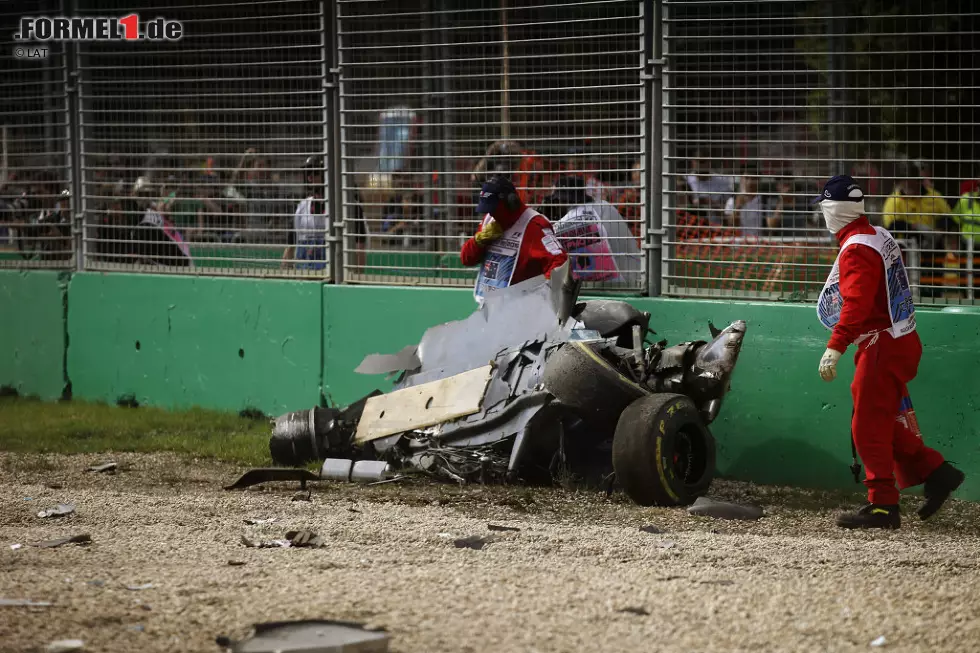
167 570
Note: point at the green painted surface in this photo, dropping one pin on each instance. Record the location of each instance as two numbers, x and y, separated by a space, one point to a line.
358 321
32 332
781 423
195 341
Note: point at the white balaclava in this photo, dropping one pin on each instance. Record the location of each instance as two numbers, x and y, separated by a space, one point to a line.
846 208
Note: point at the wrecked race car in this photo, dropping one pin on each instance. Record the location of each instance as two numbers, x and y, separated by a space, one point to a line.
536 387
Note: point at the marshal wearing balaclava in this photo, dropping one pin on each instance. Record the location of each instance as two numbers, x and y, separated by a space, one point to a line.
867 302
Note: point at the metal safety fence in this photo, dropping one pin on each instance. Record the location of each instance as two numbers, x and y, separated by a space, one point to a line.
35 169
764 101
345 140
437 94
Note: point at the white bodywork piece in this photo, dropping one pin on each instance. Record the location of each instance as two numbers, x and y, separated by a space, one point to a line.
423 405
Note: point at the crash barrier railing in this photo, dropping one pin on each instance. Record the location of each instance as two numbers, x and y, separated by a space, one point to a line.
188 157
764 101
35 217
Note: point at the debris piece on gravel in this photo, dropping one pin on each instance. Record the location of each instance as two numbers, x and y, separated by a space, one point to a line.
259 522
472 542
304 538
651 529
60 510
139 588
880 641
706 507
497 527
236 563
642 612
303 496
16 603
265 544
65 645
82 538
109 467
313 636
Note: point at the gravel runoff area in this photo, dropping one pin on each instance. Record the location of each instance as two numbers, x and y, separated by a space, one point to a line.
579 575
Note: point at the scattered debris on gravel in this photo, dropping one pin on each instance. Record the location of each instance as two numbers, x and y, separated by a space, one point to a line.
580 564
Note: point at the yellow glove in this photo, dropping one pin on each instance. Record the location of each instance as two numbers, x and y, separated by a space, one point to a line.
828 364
488 234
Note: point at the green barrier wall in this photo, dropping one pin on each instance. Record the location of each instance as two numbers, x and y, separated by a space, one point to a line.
32 332
271 345
179 341
781 423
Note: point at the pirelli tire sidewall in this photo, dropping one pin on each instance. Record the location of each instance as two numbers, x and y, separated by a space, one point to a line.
587 384
649 434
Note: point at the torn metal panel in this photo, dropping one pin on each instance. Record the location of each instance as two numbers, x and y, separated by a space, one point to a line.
405 360
517 314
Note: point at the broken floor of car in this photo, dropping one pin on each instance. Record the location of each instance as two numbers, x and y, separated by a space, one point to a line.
532 387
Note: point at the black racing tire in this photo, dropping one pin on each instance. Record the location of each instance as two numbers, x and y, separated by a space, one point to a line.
663 453
581 380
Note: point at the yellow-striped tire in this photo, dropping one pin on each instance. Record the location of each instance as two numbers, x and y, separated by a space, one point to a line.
663 453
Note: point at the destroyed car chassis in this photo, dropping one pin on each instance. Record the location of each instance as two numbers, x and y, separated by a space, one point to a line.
536 387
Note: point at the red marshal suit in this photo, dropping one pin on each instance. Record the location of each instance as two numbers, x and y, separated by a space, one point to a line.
885 365
540 252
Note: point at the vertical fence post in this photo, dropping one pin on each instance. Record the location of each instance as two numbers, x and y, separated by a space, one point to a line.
73 108
334 181
652 35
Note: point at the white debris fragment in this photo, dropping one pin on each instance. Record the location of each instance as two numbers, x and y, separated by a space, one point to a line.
14 547
59 510
137 588
259 522
879 642
65 645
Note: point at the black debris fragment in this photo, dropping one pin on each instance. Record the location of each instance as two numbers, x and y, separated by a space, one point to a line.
651 529
304 538
472 542
642 612
497 527
83 538
706 507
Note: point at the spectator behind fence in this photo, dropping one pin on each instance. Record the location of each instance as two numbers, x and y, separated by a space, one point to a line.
786 210
709 192
916 211
307 244
966 213
593 233
745 211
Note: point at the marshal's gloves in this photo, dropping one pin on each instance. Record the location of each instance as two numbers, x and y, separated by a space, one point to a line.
828 364
489 233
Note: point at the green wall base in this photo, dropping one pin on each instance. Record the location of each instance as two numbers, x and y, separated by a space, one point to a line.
178 342
32 332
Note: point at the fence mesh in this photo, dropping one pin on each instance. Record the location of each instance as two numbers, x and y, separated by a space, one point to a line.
190 156
35 216
437 94
193 151
764 101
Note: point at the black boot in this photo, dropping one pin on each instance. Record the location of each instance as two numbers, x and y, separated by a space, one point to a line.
871 516
940 484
